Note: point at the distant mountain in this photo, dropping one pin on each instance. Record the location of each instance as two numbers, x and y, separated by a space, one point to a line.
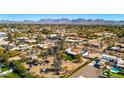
67 21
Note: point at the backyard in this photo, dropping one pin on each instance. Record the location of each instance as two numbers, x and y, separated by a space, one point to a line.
11 75
108 73
69 58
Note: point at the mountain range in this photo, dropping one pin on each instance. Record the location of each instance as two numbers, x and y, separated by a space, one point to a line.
66 21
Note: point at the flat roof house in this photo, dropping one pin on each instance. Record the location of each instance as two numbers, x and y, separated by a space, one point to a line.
109 58
94 43
3 35
73 51
120 63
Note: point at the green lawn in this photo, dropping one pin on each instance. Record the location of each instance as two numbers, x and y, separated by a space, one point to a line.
66 57
4 69
116 75
11 75
111 74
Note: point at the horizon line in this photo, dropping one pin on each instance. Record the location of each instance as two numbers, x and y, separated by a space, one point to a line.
62 18
35 17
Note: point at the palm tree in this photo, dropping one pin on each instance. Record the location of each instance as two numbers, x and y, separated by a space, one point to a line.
58 56
57 63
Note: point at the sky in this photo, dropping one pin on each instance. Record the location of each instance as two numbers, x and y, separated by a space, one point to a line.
20 17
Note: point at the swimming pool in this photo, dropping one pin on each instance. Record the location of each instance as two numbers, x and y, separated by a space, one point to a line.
115 70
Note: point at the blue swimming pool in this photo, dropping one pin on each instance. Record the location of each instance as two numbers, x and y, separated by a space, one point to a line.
115 70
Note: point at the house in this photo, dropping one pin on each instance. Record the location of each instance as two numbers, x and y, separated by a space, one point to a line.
46 44
105 34
3 35
115 48
73 51
94 43
120 42
42 46
23 47
30 41
109 58
85 53
120 63
69 52
52 35
73 40
33 57
23 39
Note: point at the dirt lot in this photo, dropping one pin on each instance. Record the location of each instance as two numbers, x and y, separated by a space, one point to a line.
65 64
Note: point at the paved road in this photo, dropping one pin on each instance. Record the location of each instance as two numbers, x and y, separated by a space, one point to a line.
88 71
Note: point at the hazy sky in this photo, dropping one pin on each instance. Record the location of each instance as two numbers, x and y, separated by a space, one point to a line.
19 17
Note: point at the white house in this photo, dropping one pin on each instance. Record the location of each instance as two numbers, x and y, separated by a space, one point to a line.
108 58
85 53
3 35
68 51
120 62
